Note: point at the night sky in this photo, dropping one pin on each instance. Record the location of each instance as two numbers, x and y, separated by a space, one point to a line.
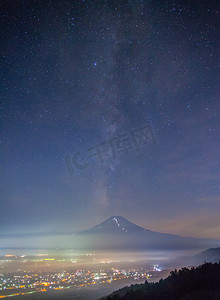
77 74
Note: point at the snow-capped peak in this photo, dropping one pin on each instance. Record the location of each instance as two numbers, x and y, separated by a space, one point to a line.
116 221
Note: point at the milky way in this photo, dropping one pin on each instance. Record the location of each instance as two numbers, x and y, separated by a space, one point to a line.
78 73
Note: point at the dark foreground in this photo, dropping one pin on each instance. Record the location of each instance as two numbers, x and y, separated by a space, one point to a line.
201 283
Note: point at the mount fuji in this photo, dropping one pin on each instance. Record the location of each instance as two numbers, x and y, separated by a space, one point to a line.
117 233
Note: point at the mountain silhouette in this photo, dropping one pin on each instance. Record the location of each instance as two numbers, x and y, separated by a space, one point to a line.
115 224
209 255
118 233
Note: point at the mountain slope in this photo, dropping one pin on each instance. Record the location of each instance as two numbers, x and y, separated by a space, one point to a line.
209 255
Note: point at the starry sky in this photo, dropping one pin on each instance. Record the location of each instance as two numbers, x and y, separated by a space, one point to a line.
77 74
